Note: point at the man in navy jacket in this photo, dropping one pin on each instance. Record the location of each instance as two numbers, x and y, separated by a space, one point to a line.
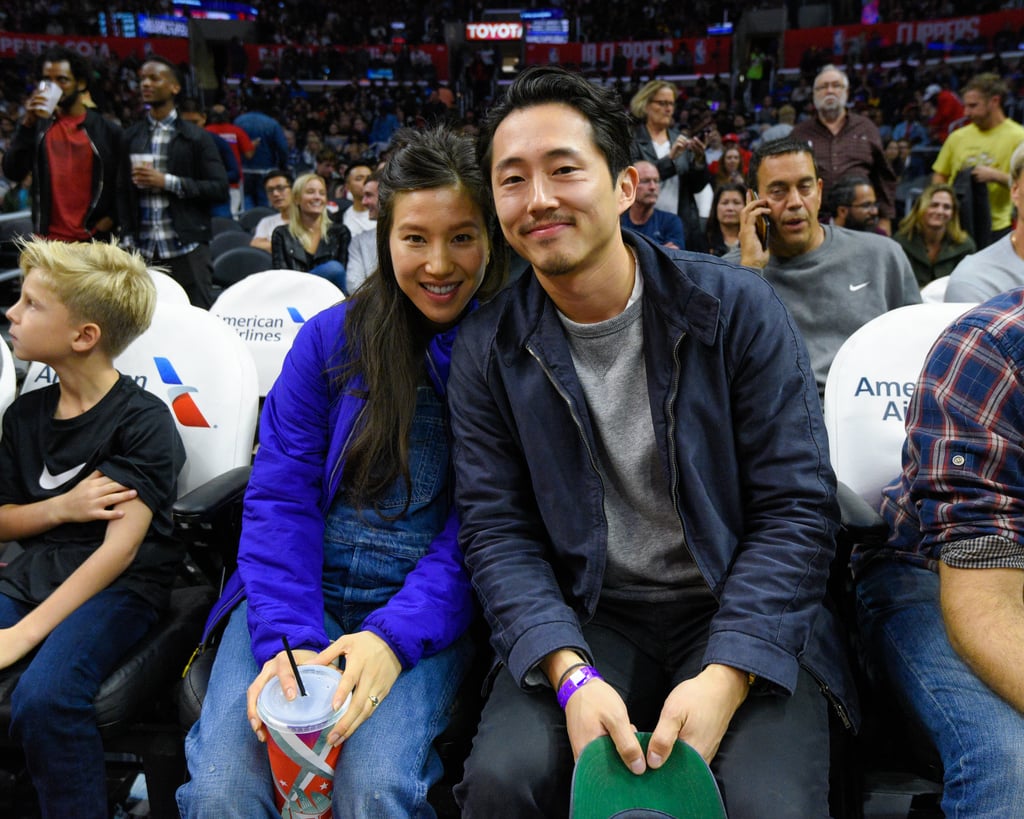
648 511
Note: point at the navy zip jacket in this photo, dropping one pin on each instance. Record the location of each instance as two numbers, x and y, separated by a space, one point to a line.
738 421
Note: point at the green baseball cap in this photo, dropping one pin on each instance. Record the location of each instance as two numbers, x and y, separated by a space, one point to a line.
604 788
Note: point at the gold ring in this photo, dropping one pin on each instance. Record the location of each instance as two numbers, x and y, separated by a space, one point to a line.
374 700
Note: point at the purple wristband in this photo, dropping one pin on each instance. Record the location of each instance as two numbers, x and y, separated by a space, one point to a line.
580 677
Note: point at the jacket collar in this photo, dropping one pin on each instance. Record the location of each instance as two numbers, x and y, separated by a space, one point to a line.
528 312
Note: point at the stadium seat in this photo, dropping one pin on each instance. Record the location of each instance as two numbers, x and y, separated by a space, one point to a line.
206 376
228 240
8 379
234 265
867 394
267 309
935 291
252 217
167 288
225 224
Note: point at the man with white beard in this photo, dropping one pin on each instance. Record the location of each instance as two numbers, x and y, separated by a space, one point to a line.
845 143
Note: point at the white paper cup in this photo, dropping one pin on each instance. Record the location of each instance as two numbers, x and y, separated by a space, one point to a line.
141 160
52 93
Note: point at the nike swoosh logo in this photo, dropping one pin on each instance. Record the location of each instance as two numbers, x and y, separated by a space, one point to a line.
855 287
48 481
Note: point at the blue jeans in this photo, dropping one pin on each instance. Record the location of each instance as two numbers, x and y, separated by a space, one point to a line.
52 715
385 768
979 736
333 271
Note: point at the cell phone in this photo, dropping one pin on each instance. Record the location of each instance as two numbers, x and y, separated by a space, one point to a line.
763 227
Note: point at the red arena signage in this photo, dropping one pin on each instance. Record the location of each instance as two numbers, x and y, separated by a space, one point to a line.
494 31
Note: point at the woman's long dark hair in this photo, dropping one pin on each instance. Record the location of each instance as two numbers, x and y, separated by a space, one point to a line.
386 334
713 230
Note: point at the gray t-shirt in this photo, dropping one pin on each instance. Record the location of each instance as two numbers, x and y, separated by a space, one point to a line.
647 555
835 289
986 273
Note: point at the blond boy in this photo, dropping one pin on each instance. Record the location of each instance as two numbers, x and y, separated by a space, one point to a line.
88 473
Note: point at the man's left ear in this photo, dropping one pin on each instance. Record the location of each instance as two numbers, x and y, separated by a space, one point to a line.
88 337
629 181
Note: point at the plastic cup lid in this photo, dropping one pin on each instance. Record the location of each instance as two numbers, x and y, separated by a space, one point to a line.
303 714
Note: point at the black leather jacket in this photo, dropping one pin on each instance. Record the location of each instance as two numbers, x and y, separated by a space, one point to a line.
27 154
289 254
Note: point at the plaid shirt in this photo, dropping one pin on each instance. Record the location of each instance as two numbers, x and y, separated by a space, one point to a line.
157 239
960 496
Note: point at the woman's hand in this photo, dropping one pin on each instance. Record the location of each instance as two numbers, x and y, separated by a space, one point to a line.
276 667
371 668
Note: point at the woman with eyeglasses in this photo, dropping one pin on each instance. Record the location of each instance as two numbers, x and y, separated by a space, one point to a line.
679 158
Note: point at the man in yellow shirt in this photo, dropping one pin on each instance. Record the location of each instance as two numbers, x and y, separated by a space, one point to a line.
984 146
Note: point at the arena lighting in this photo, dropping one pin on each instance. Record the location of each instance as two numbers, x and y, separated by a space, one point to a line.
720 29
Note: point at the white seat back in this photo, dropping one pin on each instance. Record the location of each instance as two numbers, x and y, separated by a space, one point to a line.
869 388
267 309
8 379
205 374
935 291
167 288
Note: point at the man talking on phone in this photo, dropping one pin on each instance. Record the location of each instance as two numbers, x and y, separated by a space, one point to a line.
833 280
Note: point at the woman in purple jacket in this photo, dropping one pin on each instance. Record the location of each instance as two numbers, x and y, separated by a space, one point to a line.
349 542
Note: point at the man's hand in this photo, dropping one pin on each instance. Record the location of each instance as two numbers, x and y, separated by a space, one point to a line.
95 498
35 108
698 711
986 173
145 177
752 253
596 709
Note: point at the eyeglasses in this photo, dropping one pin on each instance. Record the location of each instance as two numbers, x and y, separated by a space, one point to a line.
663 103
866 206
823 86
277 188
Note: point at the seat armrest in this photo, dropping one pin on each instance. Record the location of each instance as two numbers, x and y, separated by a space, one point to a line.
206 501
860 522
208 520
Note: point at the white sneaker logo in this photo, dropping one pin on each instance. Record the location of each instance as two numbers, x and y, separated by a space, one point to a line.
855 287
48 481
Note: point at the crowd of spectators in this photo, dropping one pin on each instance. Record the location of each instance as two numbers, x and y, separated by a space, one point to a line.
342 122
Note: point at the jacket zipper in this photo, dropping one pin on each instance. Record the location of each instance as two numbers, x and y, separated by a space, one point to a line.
831 697
572 413
341 457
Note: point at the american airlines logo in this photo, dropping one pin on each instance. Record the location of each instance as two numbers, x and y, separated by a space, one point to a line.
180 395
261 327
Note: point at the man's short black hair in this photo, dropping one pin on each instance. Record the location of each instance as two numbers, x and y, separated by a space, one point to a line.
80 69
778 147
843 191
274 173
541 85
156 58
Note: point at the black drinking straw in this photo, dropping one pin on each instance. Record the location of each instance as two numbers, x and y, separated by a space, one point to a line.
295 668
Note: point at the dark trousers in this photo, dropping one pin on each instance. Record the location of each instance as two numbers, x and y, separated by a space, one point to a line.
194 273
52 714
773 760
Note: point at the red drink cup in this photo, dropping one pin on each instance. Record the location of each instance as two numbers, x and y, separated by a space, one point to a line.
301 761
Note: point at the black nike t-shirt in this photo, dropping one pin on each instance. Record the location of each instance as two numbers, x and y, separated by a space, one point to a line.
129 436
